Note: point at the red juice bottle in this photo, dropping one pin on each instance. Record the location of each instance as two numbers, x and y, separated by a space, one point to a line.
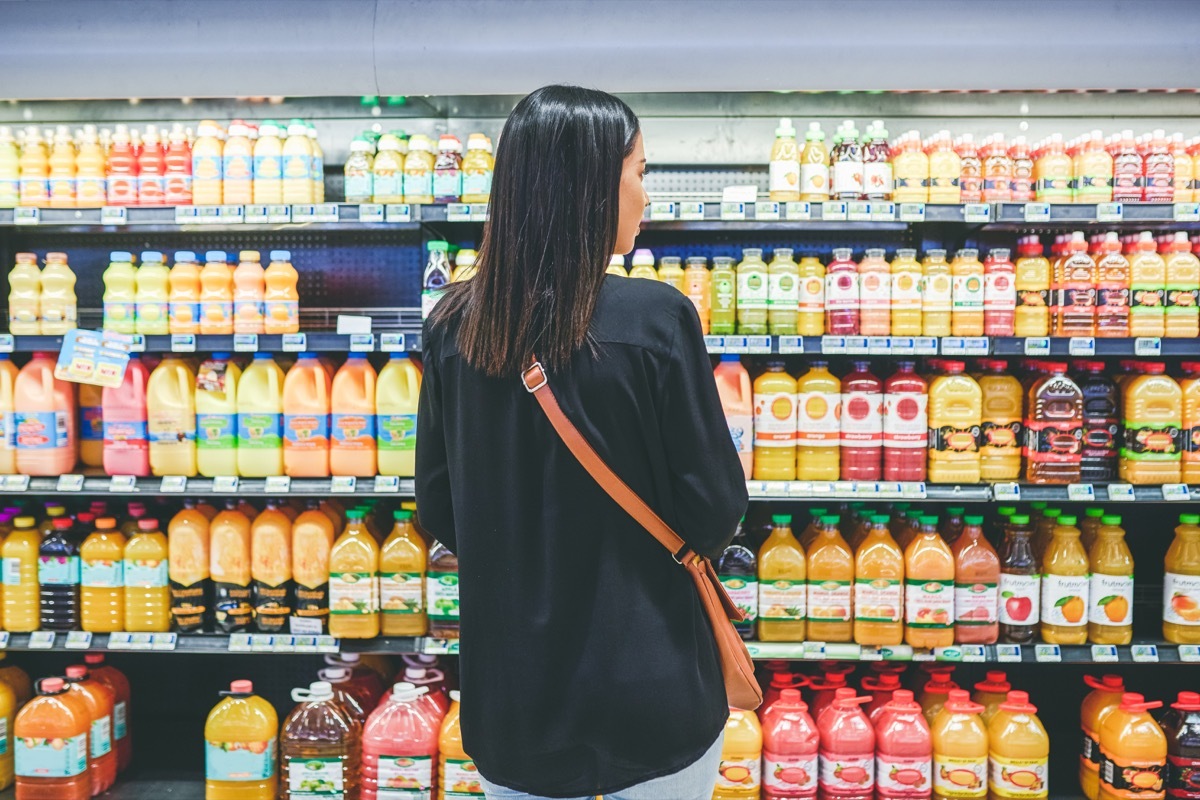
790 747
1022 171
999 293
862 425
1127 169
905 424
1181 724
847 754
841 294
1158 181
825 690
971 183
904 750
976 578
177 164
881 687
121 169
151 165
1054 428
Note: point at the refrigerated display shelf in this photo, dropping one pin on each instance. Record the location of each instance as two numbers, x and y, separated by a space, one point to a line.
1137 653
128 485
884 491
237 643
399 340
148 787
952 346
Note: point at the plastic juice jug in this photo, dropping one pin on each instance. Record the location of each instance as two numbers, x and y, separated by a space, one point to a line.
936 294
248 289
183 295
740 773
188 568
738 570
847 753
875 301
906 279
971 181
999 294
120 293
400 745
8 711
842 298
1182 289
1133 749
24 296
1110 588
905 424
306 389
780 680
955 419
1152 405
784 180
312 540
118 684
268 164
1019 750
477 168
10 169
1065 584
878 588
353 448
102 579
783 293
354 582
58 306
1101 422
862 424
1112 289
737 401
1181 724
960 749
271 569
1020 583
171 418
928 589
217 416
216 294
240 738
882 687
945 170
34 170
753 292
207 165
402 564
229 566
1001 435
457 774
782 590
830 574
441 592
152 295
976 578
1181 583
99 699
147 596
790 747
1054 428
967 294
819 411
1148 293
359 173
827 689
43 419
904 749
260 418
21 591
775 424
991 693
1099 703
297 164
1032 282
418 170
42 769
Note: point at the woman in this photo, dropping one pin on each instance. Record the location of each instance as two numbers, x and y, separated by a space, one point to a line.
588 666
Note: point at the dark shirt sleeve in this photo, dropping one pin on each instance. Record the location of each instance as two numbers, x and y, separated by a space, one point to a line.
435 514
707 481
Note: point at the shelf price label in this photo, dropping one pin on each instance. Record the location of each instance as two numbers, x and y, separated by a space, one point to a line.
278 484
239 643
714 344
26 215
15 483
925 346
392 343
1110 212
343 484
798 211
479 212
879 345
912 212
398 212
114 215
733 212
1189 653
833 345
1144 653
362 342
897 652
78 640
1008 653
1006 492
1037 212
371 212
294 342
1047 653
183 342
1176 492
164 641
70 483
1104 653
858 212
245 342
662 212
1081 493
766 211
856 345
736 344
903 345
882 212
833 211
225 484
691 211
173 484
1187 212
791 345
122 484
758 345
1147 346
387 484
1120 493
7 343
41 640
458 212
977 213
1083 346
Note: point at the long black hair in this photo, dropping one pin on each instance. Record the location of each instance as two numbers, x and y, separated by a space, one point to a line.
551 231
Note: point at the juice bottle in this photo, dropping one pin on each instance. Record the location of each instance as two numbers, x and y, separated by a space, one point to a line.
1147 286
216 294
91 425
818 424
1045 531
1094 178
248 288
1158 170
447 170
478 167
1097 705
152 314
904 749
784 172
1052 171
878 587
457 773
1020 584
436 277
1184 169
846 164
842 301
51 738
99 700
1127 169
753 292
317 171
1101 422
237 165
268 164
878 180
616 266
737 402
740 773
298 164
1190 386
58 574
58 307
1110 588
24 296
207 165
976 581
997 170
312 540
967 294
847 753
814 166
774 424
790 747
183 296
8 711
1054 428
929 589
271 569
738 570
1134 751
810 320
146 568
1181 583
936 294
1112 289
171 418
102 578
643 266
782 594
1018 750
441 592
354 582
1065 586
1001 434
955 402
188 568
260 418
906 279
999 294
991 693
281 303
229 566
1032 282
359 172
1181 724
34 170
1090 526
418 170
971 182
177 170
306 390
18 680
830 573
960 749
783 293
911 167
240 738
400 745
945 171
862 425
217 416
402 564
875 303
697 287
396 412
723 281
21 591
831 686
1079 278
10 169
1182 285
1152 404
120 293
905 424
352 399
465 269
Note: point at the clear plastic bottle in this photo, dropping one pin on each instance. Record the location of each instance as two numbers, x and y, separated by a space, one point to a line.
59 573
875 301
999 293
354 581
1065 585
967 298
905 424
936 294
320 746
436 277
738 570
1054 428
1110 588
1020 584
441 592
842 298
753 293
929 589
1101 422
783 293
359 172
862 425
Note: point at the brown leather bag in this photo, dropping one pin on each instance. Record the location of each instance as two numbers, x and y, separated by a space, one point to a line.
741 687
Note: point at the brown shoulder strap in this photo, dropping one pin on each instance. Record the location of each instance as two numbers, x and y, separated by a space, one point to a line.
536 383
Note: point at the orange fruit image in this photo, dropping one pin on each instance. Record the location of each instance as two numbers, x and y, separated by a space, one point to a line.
1072 608
1186 607
1115 609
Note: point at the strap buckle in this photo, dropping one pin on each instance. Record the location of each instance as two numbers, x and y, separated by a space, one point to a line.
538 373
680 557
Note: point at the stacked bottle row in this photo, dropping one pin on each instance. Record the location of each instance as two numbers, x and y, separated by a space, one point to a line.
394 168
1153 168
221 416
42 301
267 162
1109 287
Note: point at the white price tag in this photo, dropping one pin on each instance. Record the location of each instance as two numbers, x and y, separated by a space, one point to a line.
948 653
1176 492
952 346
362 342
897 652
1008 653
822 489
912 212
137 343
387 484
239 643
814 650
207 215
1037 212
1144 653
1109 212
1120 493
173 484
305 627
458 212
278 484
245 342
371 212
733 212
973 653
902 345
791 345
867 653
123 484
1147 346
70 483
283 644
1104 654
758 345
714 344
328 644
398 212
164 641
225 484
798 212
1006 492
766 211
479 212
342 484
1047 653
691 211
1081 493
183 343
26 215
833 345
977 212
15 483
833 211
775 488
185 214
736 344
856 345
294 342
141 641
858 212
256 214
879 345
925 346
392 343
119 640
7 343
114 215
306 644
41 640
882 211
232 214
662 212
279 214
1081 346
78 640
1189 653
261 643
976 346
913 491
1187 212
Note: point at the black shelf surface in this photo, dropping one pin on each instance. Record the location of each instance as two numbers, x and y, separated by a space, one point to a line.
1145 652
392 340
211 487
952 346
148 786
213 643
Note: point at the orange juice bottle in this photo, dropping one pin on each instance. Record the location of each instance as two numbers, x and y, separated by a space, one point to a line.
102 580
51 738
960 749
402 564
1181 583
814 166
1110 588
697 286
458 777
34 168
1018 751
184 293
1033 289
937 293
99 700
240 740
216 294
782 594
945 171
354 582
1134 750
875 289
248 288
312 539
784 181
1183 289
810 320
188 568
21 590
830 584
955 403
967 294
1000 436
1152 404
281 302
774 424
271 569
737 402
740 774
991 692
907 277
1065 586
352 445
878 587
911 166
928 589
818 424
1052 172
306 389
1097 705
229 565
1190 386
1147 289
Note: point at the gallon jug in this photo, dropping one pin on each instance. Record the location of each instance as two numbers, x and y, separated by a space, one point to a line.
847 753
782 597
239 746
99 699
1019 750
8 431
1153 409
44 770
1097 704
260 418
118 684
400 745
737 402
457 774
904 749
352 446
306 390
90 402
960 749
396 397
217 416
171 418
126 447
1133 749
44 419
319 744
740 774
1181 724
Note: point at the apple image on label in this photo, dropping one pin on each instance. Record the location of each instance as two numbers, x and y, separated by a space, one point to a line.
1018 608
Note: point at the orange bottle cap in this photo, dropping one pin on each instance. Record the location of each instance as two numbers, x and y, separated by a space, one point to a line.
959 702
996 682
1133 702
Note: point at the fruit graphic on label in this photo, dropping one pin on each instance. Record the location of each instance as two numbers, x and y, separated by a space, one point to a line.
1115 607
782 408
907 777
1024 778
851 774
794 775
1142 779
1072 608
1018 608
962 777
1186 607
736 774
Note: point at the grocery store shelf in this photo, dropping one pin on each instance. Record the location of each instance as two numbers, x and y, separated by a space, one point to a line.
127 485
954 346
1106 213
1141 652
784 491
400 340
147 787
249 643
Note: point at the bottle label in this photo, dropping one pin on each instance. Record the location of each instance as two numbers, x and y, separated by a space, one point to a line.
381 185
812 294
814 179
398 432
231 605
878 600
418 184
259 431
441 595
405 777
967 292
119 725
960 778
1020 599
877 176
1033 298
247 314
783 291
268 167
312 602
1053 443
818 419
1064 600
207 167
216 431
146 573
1158 182
171 428
1017 777
8 434
272 605
58 570
401 592
848 177
316 777
1157 442
282 312
739 774
353 593
1183 777
125 436
41 430
1181 299
841 291
305 432
975 603
936 294
183 315
1002 436
295 166
353 431
847 774
875 291
952 439
359 185
101 736
1128 778
741 428
896 776
928 604
724 295
829 601
906 291
743 592
792 776
102 574
784 176
1151 298
460 778
782 600
1181 600
999 292
91 423
447 183
12 571
862 419
477 183
1100 438
753 291
775 420
906 420
51 758
1111 599
1089 753
189 604
429 300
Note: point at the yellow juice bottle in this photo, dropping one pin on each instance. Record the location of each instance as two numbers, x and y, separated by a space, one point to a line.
260 418
1183 289
814 166
1033 289
240 744
945 171
782 591
10 169
298 164
478 167
1181 583
152 295
697 286
229 566
1147 289
783 293
402 564
1000 436
643 266
879 588
937 293
1110 588
271 569
354 582
911 167
740 774
907 277
171 418
775 424
188 568
1134 749
59 307
818 424
670 271
991 692
312 540
960 749
1018 751
928 589
24 296
1152 406
102 581
418 170
216 416
34 168
784 180
810 319
147 593
1097 704
967 294
830 584
22 611
955 403
1065 586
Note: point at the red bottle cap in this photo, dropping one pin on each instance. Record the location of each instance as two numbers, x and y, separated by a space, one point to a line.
938 670
63 524
1188 701
51 686
1089 366
790 698
1108 683
996 682
902 698
849 700
1055 367
954 367
959 702
1190 366
831 680
844 694
1134 702
786 680
1019 701
242 687
93 658
77 672
885 682
147 524
1154 367
836 667
940 685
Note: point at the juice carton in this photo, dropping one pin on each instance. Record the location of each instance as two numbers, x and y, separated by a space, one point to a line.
967 294
814 166
904 749
905 424
306 389
753 293
1020 583
1181 724
171 418
400 744
229 565
784 181
1181 583
740 774
280 298
1110 588
960 749
1097 704
830 575
738 570
24 296
790 747
260 418
99 700
862 424
312 539
842 295
818 424
216 294
774 424
737 401
1147 286
782 593
991 693
152 295
120 293
268 164
1065 584
976 581
237 165
183 293
1001 434
248 289
271 569
847 753
1182 287
147 596
937 294
875 301
1133 748
929 589
21 591
723 308
783 294
402 564
878 589
239 746
42 769
207 165
1152 404
354 582
352 447
44 419
906 279
217 416
102 579
1054 428
58 307
955 419
396 395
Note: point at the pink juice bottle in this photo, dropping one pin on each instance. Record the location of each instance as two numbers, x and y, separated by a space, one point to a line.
905 424
126 448
841 294
400 746
904 750
847 752
875 294
790 747
825 690
44 418
862 425
881 687
999 294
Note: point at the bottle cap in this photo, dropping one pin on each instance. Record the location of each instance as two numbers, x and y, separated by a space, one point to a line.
1187 701
93 658
77 672
24 522
1066 519
1134 702
241 687
1110 519
902 698
1019 702
281 255
791 699
959 701
928 520
830 519
402 514
184 255
1094 512
973 520
1189 519
781 519
879 519
63 524
997 681
51 686
147 524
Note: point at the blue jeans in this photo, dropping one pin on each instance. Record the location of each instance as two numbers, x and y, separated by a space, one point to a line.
694 782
